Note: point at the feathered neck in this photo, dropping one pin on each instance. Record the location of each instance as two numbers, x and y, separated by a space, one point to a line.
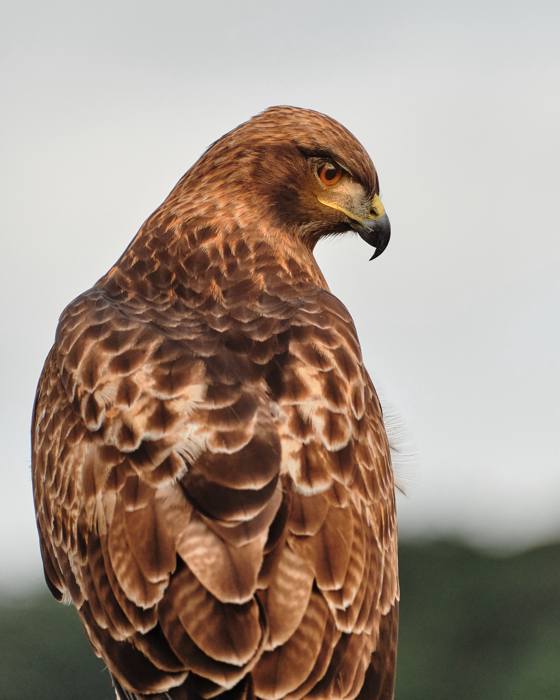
170 256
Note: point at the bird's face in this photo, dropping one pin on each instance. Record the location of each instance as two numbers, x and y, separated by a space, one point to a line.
298 171
340 201
316 178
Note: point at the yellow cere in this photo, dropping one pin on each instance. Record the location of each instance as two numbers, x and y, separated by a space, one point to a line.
377 207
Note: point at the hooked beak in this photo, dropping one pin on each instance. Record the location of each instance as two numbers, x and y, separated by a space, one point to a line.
376 228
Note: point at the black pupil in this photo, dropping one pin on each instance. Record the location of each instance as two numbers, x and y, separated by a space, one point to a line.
330 172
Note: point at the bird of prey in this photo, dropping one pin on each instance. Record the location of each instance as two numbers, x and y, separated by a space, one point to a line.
211 473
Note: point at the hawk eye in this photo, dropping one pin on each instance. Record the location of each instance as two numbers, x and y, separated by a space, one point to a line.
329 174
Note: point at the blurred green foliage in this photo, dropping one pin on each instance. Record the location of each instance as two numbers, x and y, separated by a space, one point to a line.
472 626
479 627
45 654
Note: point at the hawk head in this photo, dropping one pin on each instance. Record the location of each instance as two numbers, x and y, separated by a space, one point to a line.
294 170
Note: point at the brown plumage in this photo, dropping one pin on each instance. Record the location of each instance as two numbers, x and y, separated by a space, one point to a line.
211 472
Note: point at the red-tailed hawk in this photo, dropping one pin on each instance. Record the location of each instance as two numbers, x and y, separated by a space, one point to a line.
211 473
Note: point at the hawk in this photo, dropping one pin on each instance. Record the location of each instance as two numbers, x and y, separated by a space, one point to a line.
211 473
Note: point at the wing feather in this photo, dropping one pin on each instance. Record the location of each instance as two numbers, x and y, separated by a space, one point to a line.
213 486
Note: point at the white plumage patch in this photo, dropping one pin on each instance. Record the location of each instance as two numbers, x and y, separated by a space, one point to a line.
404 452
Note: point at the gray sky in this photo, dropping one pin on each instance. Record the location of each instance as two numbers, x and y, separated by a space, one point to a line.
105 105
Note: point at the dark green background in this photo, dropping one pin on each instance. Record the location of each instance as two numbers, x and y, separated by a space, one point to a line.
473 626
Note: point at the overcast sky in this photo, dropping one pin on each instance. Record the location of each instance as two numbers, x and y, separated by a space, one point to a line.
105 105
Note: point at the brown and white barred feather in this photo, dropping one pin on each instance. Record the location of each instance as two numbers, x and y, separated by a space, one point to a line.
212 477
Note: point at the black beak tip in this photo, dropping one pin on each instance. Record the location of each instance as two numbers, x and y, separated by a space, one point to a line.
377 233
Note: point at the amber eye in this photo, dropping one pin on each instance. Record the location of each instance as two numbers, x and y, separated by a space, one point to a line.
329 174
